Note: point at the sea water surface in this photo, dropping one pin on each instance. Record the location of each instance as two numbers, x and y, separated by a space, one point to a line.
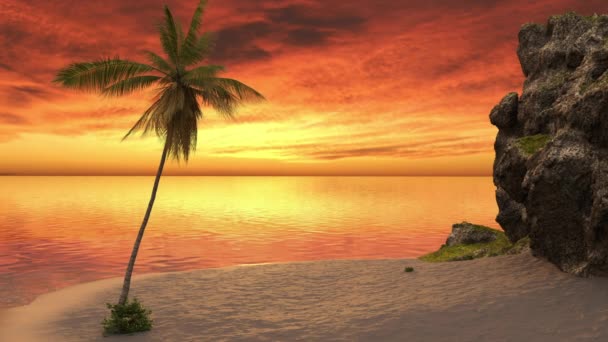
61 231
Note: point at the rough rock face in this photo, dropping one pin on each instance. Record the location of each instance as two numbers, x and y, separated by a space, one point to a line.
468 233
551 166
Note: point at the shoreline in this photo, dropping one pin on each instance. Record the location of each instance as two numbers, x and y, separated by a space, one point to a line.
504 298
2 309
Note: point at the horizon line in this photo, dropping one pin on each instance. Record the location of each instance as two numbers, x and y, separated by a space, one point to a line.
236 175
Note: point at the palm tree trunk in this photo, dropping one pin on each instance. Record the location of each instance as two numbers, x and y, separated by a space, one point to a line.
127 282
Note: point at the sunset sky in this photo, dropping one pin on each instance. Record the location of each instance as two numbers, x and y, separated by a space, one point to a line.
361 87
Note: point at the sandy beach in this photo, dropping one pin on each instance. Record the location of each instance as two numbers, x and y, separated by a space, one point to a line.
506 298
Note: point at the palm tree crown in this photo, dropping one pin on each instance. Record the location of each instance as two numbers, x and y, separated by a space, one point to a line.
176 109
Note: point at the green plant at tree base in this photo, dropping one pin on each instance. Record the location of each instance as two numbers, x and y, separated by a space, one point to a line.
127 318
409 269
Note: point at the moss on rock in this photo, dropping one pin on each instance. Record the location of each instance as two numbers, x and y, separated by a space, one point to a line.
533 143
594 18
520 245
500 246
485 229
530 24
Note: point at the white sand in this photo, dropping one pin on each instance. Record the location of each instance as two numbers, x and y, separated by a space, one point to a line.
508 298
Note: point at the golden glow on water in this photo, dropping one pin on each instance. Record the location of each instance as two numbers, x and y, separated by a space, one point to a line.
58 231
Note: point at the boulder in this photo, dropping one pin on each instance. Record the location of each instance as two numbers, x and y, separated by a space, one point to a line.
504 114
551 166
467 233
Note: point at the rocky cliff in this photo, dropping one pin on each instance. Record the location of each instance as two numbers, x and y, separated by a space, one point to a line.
551 166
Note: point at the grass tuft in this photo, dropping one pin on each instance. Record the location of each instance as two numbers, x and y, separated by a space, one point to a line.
409 269
127 319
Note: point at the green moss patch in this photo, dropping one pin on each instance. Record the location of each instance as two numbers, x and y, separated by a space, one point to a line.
526 25
520 245
572 15
533 143
565 15
483 228
500 246
594 19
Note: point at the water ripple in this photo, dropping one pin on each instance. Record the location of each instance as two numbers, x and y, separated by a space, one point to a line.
60 231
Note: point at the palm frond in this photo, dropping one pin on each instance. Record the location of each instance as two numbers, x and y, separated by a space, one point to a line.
168 36
158 117
220 99
241 90
174 116
195 23
223 94
190 43
182 132
203 72
143 123
97 75
159 62
180 38
130 85
201 49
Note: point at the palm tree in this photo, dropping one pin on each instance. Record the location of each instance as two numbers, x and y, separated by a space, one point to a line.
176 109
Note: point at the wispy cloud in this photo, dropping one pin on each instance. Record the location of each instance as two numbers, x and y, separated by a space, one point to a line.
363 79
12 119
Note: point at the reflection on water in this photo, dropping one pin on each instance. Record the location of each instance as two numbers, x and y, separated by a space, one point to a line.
60 231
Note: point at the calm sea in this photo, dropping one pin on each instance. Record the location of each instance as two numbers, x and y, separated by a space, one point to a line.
60 231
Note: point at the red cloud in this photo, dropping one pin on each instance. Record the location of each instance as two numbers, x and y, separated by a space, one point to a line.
346 71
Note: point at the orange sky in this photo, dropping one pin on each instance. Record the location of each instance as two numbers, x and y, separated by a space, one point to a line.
362 87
